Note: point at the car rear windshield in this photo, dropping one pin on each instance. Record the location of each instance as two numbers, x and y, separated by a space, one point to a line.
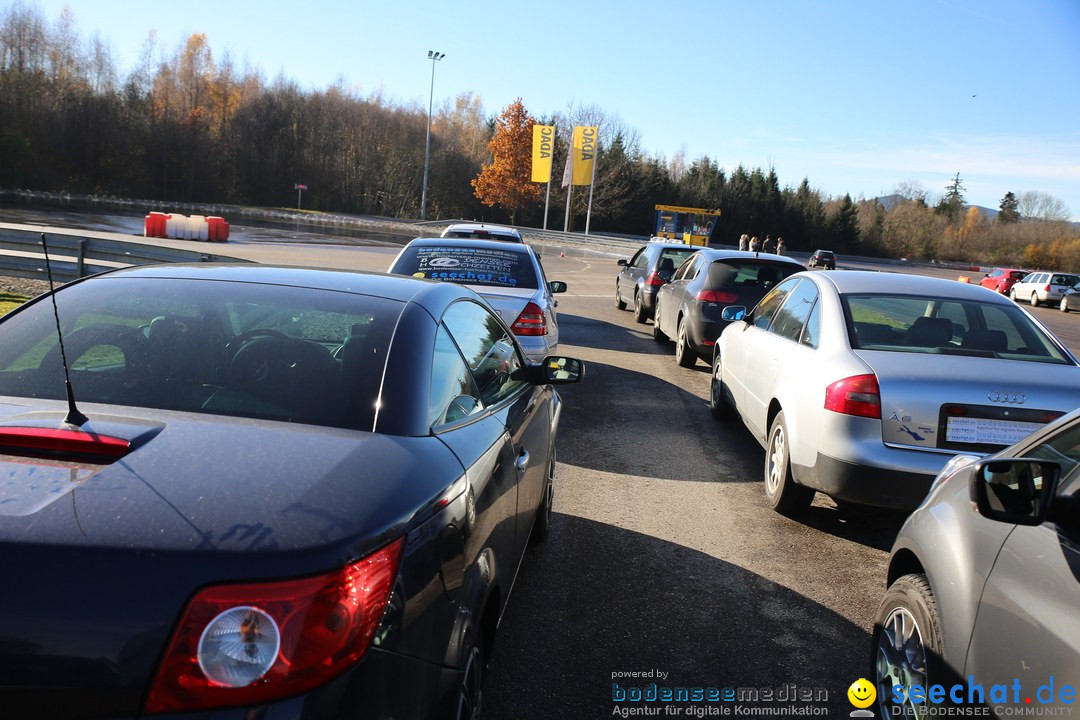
904 323
676 255
490 267
734 274
225 348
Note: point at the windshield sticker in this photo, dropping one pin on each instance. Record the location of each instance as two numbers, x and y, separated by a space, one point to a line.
480 266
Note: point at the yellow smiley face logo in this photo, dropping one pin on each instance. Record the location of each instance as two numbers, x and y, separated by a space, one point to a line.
419 274
862 693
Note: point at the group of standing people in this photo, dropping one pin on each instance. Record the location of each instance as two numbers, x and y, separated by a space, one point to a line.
752 244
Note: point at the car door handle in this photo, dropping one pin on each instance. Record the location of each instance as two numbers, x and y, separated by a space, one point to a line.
522 462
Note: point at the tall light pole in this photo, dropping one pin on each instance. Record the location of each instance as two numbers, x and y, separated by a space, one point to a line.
433 56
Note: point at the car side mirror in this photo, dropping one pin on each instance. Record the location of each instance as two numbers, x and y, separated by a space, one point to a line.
623 262
733 313
1015 490
557 286
559 370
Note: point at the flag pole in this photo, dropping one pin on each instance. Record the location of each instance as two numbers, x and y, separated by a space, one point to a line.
569 194
592 181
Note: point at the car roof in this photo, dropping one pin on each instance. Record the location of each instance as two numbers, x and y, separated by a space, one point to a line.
473 227
393 287
471 242
711 254
870 282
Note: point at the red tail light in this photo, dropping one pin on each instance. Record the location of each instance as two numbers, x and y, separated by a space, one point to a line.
305 632
1047 288
59 441
655 280
717 296
531 321
856 395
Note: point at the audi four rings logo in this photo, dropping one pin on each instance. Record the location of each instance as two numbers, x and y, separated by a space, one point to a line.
1001 396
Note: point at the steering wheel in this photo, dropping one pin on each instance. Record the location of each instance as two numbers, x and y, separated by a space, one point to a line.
271 359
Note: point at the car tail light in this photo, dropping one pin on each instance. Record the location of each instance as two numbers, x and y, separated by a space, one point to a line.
856 395
531 321
655 280
256 642
1047 288
717 296
51 442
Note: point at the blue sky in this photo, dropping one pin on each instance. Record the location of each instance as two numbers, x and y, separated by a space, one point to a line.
858 96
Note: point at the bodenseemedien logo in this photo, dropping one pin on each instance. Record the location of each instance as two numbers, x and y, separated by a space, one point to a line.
862 694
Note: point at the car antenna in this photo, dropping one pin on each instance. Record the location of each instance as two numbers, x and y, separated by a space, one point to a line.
73 417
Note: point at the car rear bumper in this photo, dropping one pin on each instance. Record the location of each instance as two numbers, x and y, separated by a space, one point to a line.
536 347
880 487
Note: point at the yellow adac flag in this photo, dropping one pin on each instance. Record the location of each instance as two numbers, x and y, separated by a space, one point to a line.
585 143
543 149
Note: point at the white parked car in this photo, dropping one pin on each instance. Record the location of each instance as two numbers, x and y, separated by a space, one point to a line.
1043 287
480 231
862 385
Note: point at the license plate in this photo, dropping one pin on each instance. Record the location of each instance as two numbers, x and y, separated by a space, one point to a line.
987 431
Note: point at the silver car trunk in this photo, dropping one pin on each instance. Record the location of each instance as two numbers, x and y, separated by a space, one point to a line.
507 302
967 403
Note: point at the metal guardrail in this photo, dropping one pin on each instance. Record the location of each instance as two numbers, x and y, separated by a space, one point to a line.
73 256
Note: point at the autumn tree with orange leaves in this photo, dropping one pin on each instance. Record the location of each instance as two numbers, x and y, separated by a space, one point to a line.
507 180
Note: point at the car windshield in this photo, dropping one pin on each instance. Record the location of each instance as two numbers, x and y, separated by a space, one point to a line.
243 349
903 323
490 267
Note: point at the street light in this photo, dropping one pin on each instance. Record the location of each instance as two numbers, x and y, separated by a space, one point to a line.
433 56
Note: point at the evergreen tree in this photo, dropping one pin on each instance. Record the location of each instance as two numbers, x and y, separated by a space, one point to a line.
952 204
1009 209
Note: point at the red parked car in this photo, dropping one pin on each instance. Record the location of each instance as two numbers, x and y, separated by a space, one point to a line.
1002 279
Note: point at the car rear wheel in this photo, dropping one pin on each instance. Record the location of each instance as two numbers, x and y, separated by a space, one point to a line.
783 494
657 334
685 355
1063 306
639 309
620 304
718 404
1034 299
471 691
542 524
907 644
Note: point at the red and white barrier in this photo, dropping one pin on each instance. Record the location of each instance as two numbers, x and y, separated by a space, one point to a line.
183 227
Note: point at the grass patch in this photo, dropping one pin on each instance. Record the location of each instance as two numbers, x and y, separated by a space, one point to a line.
10 301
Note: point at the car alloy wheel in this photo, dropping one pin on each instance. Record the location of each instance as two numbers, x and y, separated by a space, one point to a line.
1012 295
1034 299
657 334
684 354
639 309
471 692
783 494
718 404
620 304
1063 306
907 647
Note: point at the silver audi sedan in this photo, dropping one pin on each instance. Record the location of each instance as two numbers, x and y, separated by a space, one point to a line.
862 385
508 276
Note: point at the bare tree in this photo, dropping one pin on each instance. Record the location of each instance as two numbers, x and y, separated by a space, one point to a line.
1034 205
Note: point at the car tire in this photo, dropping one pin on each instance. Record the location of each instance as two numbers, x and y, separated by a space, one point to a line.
1012 295
620 304
471 691
1063 306
639 309
718 403
784 495
1034 299
685 355
907 644
542 523
657 334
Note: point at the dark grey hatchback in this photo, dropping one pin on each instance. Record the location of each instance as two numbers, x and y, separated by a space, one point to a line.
276 493
650 269
688 309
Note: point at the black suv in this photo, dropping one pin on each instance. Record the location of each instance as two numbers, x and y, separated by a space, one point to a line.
642 275
823 259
